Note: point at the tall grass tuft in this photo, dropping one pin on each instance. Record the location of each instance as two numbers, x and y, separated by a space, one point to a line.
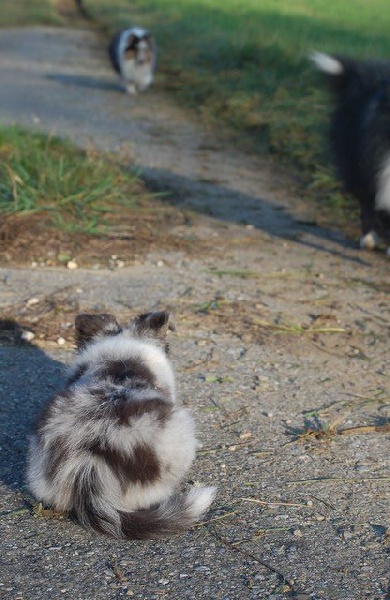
74 190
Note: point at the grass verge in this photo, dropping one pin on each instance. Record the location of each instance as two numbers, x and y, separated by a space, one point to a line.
29 12
75 191
245 61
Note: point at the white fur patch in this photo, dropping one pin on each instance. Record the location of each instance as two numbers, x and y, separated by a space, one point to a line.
136 77
122 347
327 63
199 499
382 198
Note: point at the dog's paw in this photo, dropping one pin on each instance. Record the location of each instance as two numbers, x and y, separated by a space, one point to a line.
131 89
369 241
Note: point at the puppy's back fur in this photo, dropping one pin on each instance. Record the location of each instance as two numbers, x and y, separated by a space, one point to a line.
113 446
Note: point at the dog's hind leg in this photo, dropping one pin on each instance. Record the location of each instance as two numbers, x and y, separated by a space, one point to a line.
369 239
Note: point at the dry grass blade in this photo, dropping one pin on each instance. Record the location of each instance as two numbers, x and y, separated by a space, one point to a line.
297 329
213 519
271 503
338 480
260 534
366 429
14 513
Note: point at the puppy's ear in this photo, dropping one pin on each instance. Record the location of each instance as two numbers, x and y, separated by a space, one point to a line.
89 326
154 324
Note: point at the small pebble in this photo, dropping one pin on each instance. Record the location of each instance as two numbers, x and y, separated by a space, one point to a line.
297 533
160 263
27 336
363 468
61 341
32 301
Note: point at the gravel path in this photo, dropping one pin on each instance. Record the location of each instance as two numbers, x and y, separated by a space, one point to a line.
281 353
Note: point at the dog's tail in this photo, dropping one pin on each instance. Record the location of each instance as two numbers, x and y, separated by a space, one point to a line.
172 516
328 64
337 70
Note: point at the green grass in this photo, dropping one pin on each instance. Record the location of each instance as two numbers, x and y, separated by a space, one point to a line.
75 191
18 13
245 62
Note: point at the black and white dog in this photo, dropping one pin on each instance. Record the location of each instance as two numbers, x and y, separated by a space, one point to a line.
113 446
133 55
360 137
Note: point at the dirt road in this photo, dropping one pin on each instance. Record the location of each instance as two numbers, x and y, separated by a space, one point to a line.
281 353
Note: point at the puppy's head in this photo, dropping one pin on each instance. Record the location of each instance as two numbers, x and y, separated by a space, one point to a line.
153 325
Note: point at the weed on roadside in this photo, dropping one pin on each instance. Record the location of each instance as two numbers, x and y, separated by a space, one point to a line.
29 12
72 190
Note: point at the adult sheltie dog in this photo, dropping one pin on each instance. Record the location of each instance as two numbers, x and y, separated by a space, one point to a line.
360 137
133 55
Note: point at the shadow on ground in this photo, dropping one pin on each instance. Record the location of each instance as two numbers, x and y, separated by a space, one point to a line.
230 205
96 83
28 378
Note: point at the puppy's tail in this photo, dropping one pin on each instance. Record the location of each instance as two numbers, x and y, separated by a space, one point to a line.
170 517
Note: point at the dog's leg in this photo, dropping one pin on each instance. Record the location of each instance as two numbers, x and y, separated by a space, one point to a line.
369 239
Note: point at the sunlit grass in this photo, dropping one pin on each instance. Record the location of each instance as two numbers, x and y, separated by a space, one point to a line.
16 13
73 190
245 61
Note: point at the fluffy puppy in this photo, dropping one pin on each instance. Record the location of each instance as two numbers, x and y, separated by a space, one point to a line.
113 446
133 55
360 137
